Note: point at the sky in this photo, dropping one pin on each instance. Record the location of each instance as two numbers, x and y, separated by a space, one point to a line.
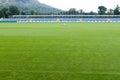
86 5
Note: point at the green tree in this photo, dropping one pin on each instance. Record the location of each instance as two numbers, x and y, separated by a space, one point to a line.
81 12
14 10
32 12
36 13
1 14
102 10
5 12
92 13
117 10
110 12
8 13
23 13
73 11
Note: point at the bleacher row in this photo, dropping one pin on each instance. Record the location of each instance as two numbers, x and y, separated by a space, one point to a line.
62 19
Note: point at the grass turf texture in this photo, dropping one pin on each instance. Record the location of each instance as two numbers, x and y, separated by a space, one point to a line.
57 51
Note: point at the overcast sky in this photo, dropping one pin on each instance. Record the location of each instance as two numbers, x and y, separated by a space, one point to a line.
86 5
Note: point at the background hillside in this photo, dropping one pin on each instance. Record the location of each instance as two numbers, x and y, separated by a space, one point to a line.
28 5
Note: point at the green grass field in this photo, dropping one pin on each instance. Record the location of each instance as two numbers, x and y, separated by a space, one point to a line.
58 51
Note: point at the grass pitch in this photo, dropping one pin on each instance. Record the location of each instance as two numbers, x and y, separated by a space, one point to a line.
57 51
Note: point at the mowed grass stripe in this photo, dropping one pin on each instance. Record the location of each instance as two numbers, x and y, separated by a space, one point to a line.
50 51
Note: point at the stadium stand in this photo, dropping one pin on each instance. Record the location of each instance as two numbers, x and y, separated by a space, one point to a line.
63 18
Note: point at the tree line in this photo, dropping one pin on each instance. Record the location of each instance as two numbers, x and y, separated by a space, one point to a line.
7 12
102 10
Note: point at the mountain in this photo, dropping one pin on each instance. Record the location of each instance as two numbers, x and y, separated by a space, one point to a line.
28 5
